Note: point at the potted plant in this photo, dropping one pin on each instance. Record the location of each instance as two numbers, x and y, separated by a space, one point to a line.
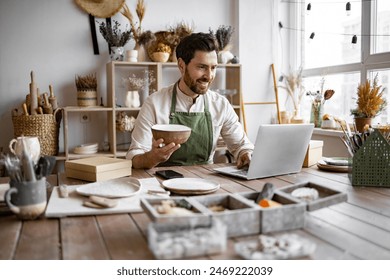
86 90
295 89
116 38
224 35
370 103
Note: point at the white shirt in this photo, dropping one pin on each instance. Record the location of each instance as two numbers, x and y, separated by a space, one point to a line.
156 110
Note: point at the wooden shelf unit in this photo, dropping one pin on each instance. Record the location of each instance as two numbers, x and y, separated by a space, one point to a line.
228 77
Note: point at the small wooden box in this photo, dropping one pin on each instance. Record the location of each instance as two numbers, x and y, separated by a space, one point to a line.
96 169
290 216
240 217
314 153
199 217
327 196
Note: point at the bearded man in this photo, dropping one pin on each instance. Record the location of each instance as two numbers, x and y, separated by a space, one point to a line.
190 102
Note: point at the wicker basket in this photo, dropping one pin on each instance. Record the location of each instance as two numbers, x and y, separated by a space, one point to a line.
46 127
371 163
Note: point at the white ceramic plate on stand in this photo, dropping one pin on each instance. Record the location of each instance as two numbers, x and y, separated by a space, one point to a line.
190 186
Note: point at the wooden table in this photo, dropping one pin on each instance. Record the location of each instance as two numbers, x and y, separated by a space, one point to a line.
357 229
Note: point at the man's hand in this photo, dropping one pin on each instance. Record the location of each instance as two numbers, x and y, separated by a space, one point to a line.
244 160
159 153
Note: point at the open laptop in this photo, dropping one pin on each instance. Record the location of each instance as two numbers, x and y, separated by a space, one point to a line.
279 149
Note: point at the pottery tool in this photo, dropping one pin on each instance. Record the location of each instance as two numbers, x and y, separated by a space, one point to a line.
63 191
15 112
33 95
25 110
52 98
47 108
266 193
27 164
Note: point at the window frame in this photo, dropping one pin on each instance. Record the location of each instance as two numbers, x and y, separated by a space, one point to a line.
367 62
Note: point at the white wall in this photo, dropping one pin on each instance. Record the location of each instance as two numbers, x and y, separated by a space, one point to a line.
53 38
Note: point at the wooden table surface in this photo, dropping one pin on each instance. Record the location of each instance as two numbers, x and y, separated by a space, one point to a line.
356 229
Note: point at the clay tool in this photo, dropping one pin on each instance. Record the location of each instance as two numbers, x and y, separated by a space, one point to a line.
266 193
28 165
52 98
63 191
33 95
47 109
25 110
15 112
102 201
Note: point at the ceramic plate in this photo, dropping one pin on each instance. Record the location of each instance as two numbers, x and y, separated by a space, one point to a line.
321 164
190 185
282 247
116 188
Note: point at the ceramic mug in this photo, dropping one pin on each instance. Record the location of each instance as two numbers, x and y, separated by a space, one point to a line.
32 145
27 199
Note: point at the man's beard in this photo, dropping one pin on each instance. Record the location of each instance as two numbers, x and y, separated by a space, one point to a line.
192 84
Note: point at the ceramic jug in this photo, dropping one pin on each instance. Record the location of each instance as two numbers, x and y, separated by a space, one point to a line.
32 145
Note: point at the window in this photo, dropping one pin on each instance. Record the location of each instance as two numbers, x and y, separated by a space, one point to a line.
331 55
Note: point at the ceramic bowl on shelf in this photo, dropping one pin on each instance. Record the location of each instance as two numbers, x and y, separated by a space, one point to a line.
175 133
160 56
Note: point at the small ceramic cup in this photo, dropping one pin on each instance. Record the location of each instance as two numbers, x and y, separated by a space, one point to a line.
27 199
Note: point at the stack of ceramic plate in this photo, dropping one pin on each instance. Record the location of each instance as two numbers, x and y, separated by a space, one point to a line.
85 149
190 186
335 164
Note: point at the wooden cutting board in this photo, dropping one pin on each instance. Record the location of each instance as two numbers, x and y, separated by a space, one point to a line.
73 205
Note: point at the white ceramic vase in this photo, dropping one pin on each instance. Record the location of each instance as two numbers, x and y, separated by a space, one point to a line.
132 99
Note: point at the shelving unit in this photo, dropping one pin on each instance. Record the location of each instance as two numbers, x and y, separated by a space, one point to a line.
228 77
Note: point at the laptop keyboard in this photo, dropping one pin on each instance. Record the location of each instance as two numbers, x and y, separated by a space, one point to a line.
241 171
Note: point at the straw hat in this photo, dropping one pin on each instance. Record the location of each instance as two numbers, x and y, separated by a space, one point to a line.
101 8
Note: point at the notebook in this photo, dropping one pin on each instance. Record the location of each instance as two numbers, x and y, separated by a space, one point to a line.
279 149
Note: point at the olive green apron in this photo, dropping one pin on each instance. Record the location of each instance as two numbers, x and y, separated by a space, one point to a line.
198 147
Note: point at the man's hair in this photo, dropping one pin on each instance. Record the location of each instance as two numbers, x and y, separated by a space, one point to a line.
195 42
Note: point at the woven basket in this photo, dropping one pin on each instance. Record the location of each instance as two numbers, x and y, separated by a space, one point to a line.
371 163
46 127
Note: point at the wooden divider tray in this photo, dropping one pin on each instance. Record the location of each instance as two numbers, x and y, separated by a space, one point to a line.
291 215
327 195
198 217
240 217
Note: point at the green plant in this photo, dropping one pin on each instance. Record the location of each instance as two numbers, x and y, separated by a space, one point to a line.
113 35
370 101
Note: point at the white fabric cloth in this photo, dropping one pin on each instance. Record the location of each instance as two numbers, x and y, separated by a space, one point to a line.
156 110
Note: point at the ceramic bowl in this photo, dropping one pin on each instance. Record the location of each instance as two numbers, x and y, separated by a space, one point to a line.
175 133
160 56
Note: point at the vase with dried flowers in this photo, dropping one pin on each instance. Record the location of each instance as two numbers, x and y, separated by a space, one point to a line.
370 103
86 90
295 89
144 84
116 38
318 99
139 36
223 36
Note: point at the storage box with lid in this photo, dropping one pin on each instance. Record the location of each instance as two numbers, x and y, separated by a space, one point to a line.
97 168
314 153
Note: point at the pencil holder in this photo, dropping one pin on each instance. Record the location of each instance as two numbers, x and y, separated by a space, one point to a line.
371 163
